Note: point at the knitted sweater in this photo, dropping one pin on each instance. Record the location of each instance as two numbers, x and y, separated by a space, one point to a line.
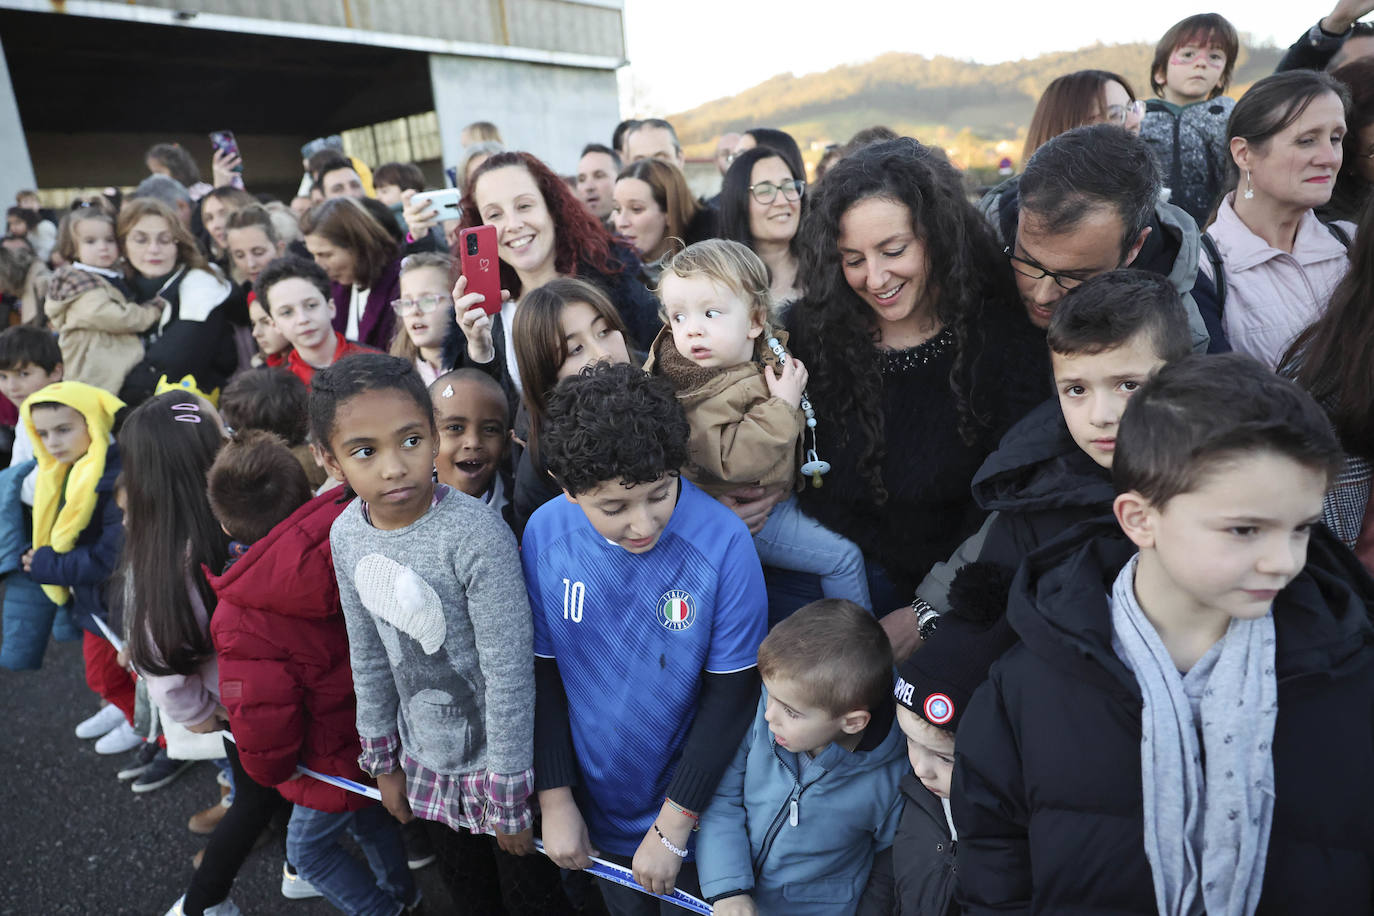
927 467
439 635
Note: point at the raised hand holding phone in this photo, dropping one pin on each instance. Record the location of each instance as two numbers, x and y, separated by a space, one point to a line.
227 162
473 319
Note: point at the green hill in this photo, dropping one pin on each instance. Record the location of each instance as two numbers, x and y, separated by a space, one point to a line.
978 112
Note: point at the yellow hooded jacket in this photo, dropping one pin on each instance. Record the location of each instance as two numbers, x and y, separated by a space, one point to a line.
58 523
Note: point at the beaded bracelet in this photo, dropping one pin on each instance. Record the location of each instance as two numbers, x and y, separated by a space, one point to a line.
691 815
680 853
815 465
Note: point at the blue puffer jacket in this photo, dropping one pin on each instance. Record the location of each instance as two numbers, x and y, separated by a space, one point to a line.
87 567
28 612
810 837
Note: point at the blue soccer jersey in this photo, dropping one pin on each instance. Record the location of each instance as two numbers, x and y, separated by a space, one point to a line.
633 635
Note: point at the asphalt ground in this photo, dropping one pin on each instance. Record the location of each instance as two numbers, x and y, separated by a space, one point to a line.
75 841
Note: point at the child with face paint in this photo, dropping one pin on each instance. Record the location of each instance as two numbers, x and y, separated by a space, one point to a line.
1186 125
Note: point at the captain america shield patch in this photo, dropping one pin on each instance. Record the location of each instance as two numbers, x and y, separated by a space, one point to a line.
938 709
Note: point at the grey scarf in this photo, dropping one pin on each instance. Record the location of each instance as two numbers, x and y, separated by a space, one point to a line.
1208 791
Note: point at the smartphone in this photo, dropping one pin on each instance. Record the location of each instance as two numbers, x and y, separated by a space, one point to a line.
477 252
445 201
223 141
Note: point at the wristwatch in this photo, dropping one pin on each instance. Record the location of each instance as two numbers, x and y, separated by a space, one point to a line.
926 616
1319 37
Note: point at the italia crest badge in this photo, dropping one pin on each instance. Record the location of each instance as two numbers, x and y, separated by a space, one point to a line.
676 610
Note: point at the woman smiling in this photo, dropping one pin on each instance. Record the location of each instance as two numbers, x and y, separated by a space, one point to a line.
194 336
543 233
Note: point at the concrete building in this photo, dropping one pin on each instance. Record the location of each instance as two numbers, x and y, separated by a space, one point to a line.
86 86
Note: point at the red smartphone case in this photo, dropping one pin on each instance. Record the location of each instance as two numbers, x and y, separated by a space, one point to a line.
481 266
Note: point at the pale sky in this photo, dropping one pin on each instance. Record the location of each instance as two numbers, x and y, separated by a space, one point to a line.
685 53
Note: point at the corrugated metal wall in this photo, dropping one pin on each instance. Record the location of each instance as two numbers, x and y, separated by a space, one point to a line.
549 25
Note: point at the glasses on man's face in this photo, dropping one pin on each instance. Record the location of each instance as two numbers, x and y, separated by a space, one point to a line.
1033 271
1123 114
422 304
765 192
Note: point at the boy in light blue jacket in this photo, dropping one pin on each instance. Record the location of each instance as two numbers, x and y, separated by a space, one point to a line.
812 795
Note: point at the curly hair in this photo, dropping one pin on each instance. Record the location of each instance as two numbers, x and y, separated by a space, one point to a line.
579 237
836 331
613 422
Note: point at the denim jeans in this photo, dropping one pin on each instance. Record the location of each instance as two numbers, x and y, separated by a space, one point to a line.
312 846
792 540
222 764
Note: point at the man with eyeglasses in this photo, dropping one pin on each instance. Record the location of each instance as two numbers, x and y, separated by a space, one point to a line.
1088 202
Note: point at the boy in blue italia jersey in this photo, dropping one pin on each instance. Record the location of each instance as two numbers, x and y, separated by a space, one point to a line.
649 608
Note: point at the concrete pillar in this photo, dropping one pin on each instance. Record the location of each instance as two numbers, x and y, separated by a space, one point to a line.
16 169
549 111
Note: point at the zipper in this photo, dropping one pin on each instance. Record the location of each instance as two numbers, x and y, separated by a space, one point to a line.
789 812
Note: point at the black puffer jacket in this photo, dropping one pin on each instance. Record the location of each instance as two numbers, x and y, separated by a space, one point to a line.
1040 484
1037 485
1047 793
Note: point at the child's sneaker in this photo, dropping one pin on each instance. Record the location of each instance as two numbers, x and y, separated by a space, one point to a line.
160 772
102 723
119 739
419 852
294 887
142 760
225 907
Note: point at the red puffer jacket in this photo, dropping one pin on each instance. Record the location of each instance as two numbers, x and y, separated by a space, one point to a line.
284 674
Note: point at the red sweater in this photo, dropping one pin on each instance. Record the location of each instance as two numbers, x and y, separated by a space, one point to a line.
284 670
305 372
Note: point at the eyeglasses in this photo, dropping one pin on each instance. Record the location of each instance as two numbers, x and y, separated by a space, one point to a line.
1033 271
422 304
1120 114
765 192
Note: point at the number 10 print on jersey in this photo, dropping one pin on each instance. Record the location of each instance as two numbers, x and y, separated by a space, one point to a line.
574 596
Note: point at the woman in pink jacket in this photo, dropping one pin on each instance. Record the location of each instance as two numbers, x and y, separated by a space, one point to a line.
1278 262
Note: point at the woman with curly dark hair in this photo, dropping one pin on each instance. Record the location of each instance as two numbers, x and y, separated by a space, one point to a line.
920 357
543 232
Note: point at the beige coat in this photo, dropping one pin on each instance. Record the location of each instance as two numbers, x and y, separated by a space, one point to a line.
97 328
35 291
741 435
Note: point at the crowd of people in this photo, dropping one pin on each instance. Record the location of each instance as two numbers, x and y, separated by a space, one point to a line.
835 544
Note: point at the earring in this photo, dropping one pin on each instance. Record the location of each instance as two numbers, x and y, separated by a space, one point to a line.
1249 186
